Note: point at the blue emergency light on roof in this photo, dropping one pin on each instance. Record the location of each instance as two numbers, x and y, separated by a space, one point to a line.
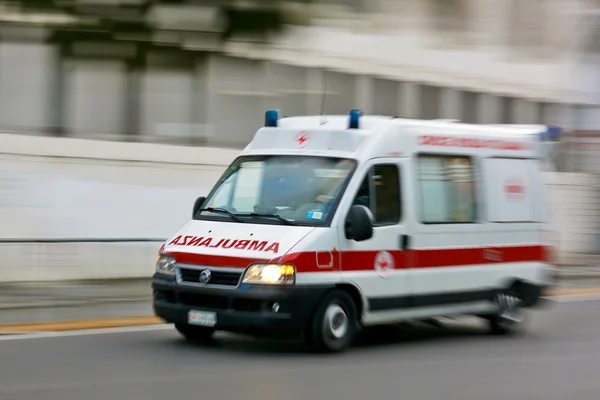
552 133
354 118
271 118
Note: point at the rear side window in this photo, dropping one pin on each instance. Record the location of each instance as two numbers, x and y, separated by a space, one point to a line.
512 190
380 192
447 189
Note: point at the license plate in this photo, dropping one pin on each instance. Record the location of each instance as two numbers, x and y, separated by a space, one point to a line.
202 318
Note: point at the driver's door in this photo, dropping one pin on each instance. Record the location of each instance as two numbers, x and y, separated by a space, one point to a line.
378 266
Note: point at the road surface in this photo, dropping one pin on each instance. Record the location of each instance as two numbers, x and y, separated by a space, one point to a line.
557 359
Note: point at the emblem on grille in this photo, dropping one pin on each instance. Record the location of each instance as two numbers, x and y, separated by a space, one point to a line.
204 276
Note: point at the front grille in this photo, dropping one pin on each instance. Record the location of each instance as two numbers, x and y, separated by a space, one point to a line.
224 278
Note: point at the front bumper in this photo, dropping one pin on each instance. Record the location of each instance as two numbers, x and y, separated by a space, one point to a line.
242 310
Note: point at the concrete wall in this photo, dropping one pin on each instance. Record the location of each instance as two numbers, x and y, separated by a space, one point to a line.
90 191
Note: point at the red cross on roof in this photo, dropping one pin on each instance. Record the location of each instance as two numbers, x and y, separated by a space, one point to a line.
301 139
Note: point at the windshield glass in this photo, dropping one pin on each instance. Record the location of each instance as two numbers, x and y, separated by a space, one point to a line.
302 190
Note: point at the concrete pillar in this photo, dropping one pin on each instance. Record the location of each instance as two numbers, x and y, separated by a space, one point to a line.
451 103
206 75
489 109
364 93
410 99
315 84
525 111
201 99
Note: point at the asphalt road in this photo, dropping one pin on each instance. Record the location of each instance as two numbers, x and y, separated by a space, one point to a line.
556 359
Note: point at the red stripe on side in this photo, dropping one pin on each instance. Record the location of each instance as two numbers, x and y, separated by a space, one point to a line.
472 256
365 260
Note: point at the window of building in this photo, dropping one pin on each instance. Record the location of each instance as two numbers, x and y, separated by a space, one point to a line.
380 192
447 186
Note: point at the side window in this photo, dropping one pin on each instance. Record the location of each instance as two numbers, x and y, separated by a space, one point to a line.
380 192
447 185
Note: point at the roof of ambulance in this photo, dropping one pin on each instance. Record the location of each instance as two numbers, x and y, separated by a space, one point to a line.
375 136
374 122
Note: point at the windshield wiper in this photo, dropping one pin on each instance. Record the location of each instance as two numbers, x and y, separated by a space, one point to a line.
278 217
220 210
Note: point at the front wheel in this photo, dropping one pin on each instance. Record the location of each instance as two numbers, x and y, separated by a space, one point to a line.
195 334
511 316
334 323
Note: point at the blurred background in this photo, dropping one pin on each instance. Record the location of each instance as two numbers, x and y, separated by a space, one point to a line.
116 114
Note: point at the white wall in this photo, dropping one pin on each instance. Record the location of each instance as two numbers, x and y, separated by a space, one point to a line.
56 188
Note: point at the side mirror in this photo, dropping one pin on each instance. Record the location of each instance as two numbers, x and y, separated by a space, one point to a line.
359 223
197 205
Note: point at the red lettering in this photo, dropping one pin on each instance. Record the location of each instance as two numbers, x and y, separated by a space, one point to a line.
227 245
205 242
217 244
242 244
471 143
195 241
258 246
274 247
175 241
185 240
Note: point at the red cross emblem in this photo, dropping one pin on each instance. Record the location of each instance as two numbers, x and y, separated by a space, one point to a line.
384 262
514 189
302 139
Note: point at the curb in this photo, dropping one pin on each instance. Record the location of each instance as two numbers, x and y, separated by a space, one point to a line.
63 326
572 291
76 325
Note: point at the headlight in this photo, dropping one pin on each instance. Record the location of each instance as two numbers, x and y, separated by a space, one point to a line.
165 265
270 274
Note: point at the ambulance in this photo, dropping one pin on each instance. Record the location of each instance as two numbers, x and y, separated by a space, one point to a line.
325 225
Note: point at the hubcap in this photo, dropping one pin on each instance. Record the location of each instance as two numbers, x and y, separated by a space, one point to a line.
336 321
511 313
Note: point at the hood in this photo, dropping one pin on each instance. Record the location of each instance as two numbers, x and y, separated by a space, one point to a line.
219 243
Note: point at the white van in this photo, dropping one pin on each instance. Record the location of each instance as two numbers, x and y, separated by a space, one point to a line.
325 224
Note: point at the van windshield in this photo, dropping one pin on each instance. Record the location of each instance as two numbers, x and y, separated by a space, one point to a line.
295 190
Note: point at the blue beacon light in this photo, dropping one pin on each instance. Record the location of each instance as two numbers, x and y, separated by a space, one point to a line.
271 118
552 133
354 118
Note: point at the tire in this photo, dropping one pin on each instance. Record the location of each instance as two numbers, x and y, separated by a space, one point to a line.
195 334
333 326
511 316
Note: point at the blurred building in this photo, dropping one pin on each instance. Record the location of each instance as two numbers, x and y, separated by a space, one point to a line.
202 72
162 70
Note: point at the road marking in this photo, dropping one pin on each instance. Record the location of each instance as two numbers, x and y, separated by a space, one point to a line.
572 291
86 332
77 325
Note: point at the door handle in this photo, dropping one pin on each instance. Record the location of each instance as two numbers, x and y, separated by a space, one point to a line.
404 242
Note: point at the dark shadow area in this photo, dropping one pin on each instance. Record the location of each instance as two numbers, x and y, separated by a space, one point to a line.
391 336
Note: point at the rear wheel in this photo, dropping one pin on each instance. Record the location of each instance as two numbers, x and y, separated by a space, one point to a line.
195 334
334 323
511 317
